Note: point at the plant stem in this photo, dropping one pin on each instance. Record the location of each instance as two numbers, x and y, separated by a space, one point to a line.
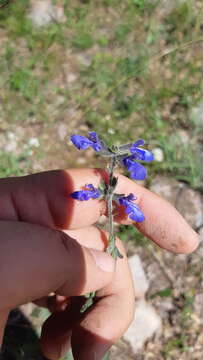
111 249
110 203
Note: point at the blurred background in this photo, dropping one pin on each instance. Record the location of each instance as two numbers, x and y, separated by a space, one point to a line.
127 69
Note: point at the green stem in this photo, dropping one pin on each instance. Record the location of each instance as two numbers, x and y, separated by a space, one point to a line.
111 249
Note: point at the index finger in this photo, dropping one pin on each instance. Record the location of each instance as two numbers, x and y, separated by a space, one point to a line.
163 223
44 199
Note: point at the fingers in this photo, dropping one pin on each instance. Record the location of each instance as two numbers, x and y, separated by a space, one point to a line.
36 260
3 319
95 331
164 224
44 199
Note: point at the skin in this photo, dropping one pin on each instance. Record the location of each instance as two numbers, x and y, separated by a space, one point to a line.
49 244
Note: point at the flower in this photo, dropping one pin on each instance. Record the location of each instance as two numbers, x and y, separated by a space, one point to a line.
89 192
137 171
140 153
83 142
133 210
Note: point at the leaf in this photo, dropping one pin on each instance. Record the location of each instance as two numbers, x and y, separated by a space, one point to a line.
162 293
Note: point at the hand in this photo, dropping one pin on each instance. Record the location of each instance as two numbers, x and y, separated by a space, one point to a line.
37 257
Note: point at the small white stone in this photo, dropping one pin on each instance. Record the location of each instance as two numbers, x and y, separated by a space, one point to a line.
196 114
158 154
84 59
11 135
201 235
81 161
71 77
140 281
62 132
33 142
42 12
11 146
146 323
167 187
190 205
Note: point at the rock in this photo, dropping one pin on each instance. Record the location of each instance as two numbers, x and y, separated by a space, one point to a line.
188 201
200 248
84 59
140 281
180 137
43 12
190 205
198 305
158 154
196 115
184 136
62 131
201 235
166 187
81 160
146 323
71 77
12 142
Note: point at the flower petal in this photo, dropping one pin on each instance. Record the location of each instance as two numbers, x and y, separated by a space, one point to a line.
138 172
139 142
131 197
81 195
144 154
97 146
137 214
81 142
132 210
93 136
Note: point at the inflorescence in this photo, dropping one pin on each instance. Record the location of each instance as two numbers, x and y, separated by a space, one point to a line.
128 156
125 155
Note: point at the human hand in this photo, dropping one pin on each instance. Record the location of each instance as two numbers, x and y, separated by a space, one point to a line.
38 258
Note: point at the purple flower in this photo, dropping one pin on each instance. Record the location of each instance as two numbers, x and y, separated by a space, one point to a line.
90 192
133 210
140 153
83 142
137 171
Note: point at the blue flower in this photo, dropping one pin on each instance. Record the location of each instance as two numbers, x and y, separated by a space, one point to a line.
89 192
137 171
133 210
140 153
83 142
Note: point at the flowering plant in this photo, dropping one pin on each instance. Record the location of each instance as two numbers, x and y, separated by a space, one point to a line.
128 156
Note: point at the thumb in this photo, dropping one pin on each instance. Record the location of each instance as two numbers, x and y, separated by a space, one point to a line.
37 260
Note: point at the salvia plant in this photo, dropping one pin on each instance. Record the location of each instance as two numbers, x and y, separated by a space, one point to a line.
128 156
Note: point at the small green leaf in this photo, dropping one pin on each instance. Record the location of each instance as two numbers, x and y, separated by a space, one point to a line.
163 293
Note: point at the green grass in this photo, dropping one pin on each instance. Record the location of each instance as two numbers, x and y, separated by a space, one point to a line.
11 165
129 233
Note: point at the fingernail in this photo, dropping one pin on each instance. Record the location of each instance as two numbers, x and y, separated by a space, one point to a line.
103 260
